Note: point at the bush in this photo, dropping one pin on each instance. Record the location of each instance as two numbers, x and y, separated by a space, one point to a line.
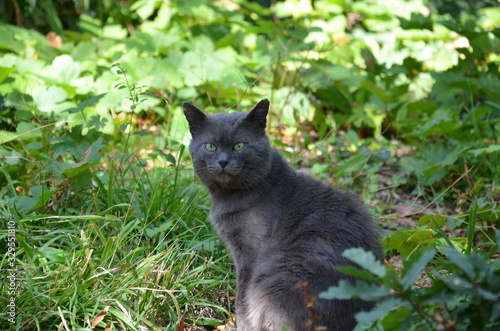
454 291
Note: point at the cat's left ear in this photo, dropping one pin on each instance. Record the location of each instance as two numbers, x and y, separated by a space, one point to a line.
195 117
258 114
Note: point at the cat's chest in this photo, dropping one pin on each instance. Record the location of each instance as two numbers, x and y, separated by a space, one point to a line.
244 230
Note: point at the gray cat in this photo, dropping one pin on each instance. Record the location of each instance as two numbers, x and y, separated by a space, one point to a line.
283 229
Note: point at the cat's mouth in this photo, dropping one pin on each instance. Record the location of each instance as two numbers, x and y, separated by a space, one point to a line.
224 175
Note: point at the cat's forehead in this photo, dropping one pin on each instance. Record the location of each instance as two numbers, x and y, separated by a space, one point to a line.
225 127
227 118
226 122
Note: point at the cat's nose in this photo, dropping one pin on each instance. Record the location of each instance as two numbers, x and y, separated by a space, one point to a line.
223 163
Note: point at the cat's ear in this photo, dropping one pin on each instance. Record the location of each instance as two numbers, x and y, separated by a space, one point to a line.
195 117
258 114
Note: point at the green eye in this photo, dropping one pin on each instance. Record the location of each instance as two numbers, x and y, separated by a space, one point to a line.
210 147
238 146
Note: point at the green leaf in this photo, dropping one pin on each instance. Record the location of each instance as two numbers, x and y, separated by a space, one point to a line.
186 6
381 310
24 203
6 136
114 30
170 158
346 290
65 69
489 19
395 318
430 167
48 99
123 156
493 148
432 221
124 127
407 241
141 133
4 73
143 8
358 273
366 260
381 93
77 169
85 103
53 254
353 164
411 274
52 16
320 168
8 40
165 226
459 260
84 51
89 24
35 146
416 21
41 196
92 153
209 321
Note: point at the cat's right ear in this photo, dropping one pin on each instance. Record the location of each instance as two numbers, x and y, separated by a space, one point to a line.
195 117
258 114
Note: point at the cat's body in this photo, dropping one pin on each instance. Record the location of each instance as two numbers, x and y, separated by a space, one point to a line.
282 228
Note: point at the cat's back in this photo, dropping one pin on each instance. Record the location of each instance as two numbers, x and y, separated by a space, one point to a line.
317 212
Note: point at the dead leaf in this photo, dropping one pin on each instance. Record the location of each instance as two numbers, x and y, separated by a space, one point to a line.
54 40
407 210
396 262
100 317
404 150
180 326
108 326
84 163
86 154
230 325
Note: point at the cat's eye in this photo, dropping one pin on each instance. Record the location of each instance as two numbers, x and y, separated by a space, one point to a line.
238 146
210 147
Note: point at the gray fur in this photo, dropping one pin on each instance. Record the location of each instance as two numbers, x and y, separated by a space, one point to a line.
281 228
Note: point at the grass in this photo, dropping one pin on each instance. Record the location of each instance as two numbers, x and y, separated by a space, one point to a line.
139 244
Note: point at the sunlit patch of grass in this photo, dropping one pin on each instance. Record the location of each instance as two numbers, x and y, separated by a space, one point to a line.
149 260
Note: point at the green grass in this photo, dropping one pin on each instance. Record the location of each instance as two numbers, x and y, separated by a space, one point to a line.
144 248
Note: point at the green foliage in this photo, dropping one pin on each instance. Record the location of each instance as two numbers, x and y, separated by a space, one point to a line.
458 291
399 101
444 282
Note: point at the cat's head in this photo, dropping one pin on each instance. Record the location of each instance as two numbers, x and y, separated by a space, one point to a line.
229 151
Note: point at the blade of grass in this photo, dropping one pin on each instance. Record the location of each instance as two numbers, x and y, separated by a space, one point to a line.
471 229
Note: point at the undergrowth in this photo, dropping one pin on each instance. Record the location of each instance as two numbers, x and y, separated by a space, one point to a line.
105 238
103 224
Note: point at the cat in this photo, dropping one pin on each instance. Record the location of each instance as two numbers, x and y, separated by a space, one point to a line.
282 228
